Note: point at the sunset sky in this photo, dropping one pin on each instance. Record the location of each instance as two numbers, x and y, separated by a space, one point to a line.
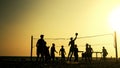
19 19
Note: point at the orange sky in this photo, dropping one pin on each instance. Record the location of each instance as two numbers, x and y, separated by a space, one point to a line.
20 19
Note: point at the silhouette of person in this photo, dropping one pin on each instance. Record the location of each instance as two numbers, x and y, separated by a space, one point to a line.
72 43
76 53
105 53
62 53
87 52
53 51
90 50
47 55
41 44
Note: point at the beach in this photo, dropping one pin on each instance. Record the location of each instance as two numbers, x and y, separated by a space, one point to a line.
25 62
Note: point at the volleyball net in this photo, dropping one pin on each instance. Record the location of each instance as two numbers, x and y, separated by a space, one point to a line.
96 42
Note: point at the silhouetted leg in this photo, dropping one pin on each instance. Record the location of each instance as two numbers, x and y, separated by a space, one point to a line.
68 55
42 57
71 55
76 58
104 58
89 59
83 56
86 57
37 56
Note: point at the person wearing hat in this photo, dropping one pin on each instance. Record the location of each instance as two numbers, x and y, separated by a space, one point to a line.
41 45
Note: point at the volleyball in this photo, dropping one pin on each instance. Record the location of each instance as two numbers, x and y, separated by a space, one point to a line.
76 33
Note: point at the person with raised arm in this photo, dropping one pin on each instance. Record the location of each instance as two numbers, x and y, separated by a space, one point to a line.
71 44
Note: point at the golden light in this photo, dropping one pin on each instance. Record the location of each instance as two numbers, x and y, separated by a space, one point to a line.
114 19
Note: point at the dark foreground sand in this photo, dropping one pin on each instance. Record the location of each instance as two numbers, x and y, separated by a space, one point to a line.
81 64
29 64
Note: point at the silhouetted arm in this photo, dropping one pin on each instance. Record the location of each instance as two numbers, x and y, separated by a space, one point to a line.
92 50
75 36
37 44
65 52
56 51
59 52
69 43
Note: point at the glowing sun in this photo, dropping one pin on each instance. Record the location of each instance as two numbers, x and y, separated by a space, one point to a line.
114 19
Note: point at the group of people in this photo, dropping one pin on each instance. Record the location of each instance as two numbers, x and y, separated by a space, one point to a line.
46 56
88 53
43 50
43 53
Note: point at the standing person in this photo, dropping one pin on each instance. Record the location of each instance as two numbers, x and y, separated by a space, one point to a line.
90 50
62 53
72 43
87 52
47 55
105 53
53 51
76 53
41 45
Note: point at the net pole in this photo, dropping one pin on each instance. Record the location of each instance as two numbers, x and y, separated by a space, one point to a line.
115 41
31 48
